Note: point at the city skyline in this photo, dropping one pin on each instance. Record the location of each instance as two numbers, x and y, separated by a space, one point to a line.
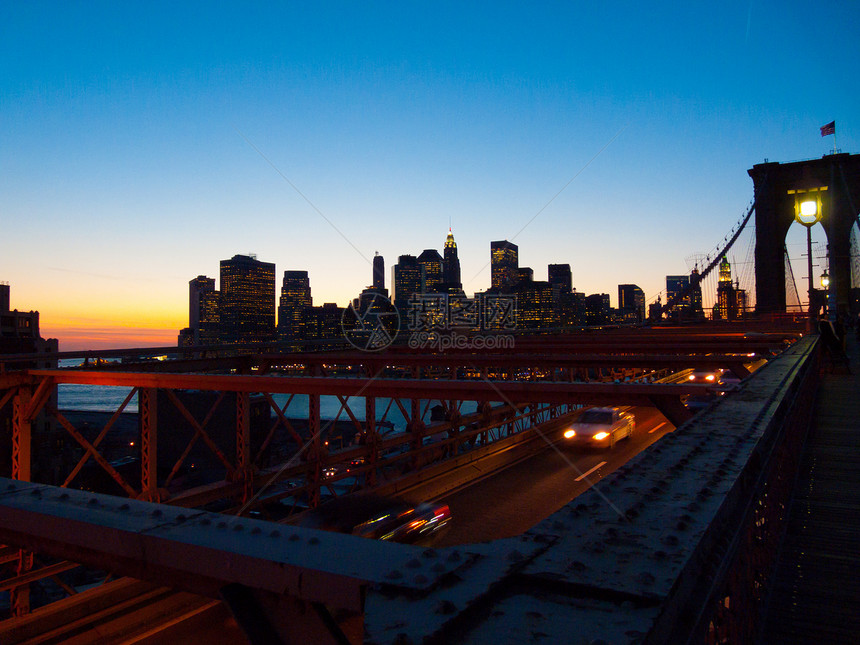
141 144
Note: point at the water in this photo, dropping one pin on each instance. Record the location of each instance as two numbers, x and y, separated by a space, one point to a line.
108 399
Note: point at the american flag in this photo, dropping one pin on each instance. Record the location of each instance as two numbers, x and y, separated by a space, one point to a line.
830 128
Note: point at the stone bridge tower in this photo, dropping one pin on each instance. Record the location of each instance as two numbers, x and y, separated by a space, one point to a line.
833 180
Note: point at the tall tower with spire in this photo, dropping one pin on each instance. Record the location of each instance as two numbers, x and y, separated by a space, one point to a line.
451 263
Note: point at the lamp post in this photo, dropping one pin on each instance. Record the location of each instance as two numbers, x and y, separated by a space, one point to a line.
808 212
825 284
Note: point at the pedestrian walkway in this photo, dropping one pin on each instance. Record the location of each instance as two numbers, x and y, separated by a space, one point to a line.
816 594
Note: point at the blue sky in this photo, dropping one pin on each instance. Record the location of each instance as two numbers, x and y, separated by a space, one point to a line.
141 143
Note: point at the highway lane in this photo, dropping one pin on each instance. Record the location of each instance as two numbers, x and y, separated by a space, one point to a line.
512 501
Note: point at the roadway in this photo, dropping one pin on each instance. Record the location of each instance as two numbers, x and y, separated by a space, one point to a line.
511 501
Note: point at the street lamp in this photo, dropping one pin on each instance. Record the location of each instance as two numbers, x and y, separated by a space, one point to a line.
807 211
825 280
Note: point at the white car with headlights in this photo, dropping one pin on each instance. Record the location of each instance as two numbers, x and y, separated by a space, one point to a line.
600 427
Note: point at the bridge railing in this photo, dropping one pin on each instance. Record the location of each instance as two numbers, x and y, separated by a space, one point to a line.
720 595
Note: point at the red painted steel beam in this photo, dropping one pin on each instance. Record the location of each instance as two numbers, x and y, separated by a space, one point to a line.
476 390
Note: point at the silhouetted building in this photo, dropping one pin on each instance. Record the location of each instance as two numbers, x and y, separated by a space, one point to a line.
525 274
504 261
677 290
294 306
326 323
19 334
203 313
560 277
597 309
431 266
696 310
408 280
451 264
631 303
247 300
378 274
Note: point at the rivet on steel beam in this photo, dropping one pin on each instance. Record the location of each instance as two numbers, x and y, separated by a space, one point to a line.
454 556
256 530
446 608
10 486
93 501
238 527
275 534
124 507
36 492
156 513
314 540
222 525
420 579
394 575
438 567
414 563
181 518
63 497
294 537
515 556
205 521
429 553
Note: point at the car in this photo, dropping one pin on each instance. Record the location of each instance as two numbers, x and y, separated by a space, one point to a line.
600 427
709 377
381 518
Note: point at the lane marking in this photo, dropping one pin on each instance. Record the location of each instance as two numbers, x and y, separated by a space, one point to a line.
658 427
586 474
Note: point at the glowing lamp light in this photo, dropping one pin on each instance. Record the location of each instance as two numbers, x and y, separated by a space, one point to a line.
808 211
825 280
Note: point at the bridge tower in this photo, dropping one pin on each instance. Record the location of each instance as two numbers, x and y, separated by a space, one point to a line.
779 189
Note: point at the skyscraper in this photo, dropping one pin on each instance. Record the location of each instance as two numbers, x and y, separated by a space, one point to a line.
726 307
677 290
431 262
560 277
451 264
378 274
408 280
294 306
504 261
203 317
247 300
631 302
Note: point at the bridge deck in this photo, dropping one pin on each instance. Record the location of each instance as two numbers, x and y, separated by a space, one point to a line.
817 589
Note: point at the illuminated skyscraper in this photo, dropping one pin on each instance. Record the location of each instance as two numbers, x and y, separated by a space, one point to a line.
431 263
451 264
293 310
534 305
726 307
247 300
677 290
203 314
408 280
504 261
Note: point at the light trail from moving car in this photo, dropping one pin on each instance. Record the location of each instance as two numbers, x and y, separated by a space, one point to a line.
513 500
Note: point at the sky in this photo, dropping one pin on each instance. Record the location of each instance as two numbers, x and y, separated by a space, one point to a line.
143 143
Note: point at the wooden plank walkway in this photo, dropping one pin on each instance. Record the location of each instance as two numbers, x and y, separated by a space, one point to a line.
816 594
